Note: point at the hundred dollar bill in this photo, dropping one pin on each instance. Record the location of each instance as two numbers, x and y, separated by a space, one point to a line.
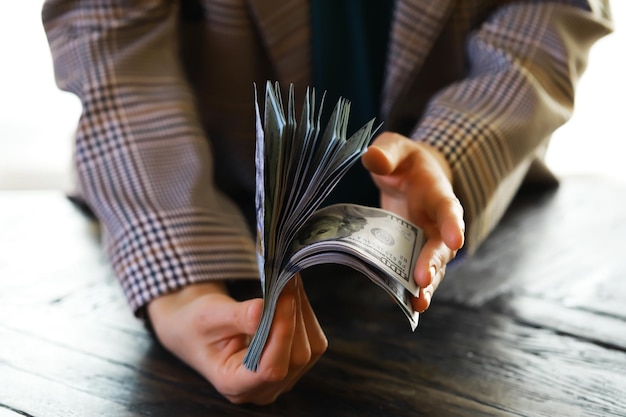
376 242
379 244
297 166
374 235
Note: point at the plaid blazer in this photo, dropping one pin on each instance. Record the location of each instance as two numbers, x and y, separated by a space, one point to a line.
164 148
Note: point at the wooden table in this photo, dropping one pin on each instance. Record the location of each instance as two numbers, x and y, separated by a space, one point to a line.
533 325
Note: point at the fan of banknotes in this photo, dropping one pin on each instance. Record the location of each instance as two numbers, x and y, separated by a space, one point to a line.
297 166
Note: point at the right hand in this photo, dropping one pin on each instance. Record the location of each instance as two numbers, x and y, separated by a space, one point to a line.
415 182
210 331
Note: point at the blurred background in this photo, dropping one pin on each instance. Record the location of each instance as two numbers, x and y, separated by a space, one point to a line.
37 120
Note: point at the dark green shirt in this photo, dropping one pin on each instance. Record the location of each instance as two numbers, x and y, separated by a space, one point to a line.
349 46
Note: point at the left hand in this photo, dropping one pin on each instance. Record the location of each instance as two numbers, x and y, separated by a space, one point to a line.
415 182
209 330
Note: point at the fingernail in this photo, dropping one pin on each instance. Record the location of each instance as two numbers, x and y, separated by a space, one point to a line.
433 272
428 295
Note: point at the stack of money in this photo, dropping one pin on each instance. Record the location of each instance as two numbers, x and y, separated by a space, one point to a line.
297 166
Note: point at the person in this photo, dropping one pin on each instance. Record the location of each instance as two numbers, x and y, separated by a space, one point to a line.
469 93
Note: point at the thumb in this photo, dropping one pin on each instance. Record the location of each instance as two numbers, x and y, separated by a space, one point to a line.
386 153
247 315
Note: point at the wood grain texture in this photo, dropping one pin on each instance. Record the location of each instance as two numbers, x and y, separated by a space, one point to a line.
533 325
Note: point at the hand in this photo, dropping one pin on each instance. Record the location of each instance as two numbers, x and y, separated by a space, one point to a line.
415 182
210 331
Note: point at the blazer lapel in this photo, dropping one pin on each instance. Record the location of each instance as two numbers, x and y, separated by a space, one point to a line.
285 28
415 27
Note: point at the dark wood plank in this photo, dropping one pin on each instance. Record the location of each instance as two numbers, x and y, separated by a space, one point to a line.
565 244
570 320
534 325
399 373
482 355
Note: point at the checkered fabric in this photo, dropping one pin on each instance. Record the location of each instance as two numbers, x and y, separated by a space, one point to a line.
165 146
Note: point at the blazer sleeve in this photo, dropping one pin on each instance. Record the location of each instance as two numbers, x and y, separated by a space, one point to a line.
142 159
523 64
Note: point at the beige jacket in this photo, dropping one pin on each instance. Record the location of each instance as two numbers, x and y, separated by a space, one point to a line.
164 148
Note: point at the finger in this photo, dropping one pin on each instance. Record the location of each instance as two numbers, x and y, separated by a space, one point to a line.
300 348
450 221
423 300
301 353
430 270
316 335
316 338
264 385
247 315
274 364
299 360
435 254
269 381
284 375
237 331
238 321
386 153
227 313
